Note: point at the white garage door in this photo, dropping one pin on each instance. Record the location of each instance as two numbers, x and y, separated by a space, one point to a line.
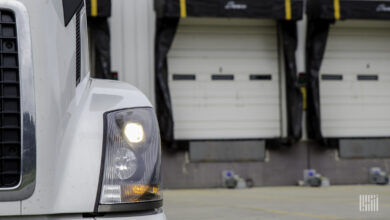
224 79
355 80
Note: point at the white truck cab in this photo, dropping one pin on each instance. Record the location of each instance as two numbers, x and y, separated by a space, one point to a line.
71 147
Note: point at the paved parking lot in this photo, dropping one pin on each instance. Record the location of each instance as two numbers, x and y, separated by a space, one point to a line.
336 202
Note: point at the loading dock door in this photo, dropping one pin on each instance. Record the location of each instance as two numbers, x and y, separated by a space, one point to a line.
224 79
355 80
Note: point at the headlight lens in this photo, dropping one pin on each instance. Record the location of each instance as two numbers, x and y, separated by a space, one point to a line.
125 163
132 157
134 132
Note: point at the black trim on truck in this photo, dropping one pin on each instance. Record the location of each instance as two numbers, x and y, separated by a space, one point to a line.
103 161
78 48
140 206
71 7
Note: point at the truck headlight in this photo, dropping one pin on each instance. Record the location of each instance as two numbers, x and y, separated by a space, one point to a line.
131 157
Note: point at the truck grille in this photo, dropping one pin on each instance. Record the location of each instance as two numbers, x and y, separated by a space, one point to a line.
10 116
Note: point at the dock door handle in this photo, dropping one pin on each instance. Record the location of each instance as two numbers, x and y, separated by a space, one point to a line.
222 77
368 77
184 77
260 77
331 77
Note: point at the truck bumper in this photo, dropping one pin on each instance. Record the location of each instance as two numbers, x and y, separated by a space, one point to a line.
158 216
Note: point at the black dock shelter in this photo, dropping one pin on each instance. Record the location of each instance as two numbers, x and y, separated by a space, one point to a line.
169 13
321 14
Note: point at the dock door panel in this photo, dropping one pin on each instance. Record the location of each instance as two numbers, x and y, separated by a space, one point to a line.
355 80
224 79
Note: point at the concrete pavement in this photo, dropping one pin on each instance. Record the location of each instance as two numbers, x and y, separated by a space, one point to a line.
292 203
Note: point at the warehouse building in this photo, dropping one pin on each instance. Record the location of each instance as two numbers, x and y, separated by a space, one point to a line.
223 76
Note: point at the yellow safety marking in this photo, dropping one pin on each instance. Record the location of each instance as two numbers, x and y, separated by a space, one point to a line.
336 4
304 97
94 8
183 8
287 4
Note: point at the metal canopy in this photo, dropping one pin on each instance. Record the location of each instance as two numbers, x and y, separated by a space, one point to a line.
273 9
348 9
